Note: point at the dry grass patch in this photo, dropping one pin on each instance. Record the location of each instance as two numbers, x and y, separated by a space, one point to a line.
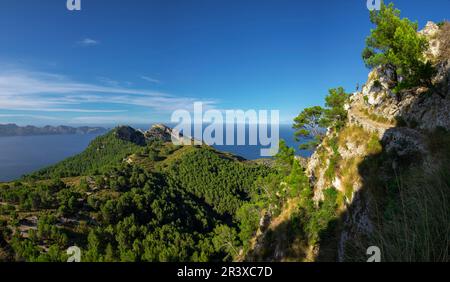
444 38
376 118
350 175
348 169
354 134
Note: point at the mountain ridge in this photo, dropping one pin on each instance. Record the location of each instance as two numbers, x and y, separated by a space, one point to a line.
161 202
13 129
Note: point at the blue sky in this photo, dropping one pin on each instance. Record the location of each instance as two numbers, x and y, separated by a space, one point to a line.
134 61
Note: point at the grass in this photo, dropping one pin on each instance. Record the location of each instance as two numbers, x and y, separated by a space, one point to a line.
350 175
283 234
330 173
377 118
419 224
354 134
374 146
348 168
444 38
411 212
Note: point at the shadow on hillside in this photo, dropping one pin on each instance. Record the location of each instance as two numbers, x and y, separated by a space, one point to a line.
387 212
403 204
280 244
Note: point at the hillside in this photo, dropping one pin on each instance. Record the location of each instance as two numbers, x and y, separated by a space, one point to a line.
130 196
393 170
104 152
381 178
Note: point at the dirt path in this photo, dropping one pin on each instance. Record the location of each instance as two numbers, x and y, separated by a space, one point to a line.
357 117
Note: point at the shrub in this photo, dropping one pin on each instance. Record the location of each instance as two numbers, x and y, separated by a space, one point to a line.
377 84
366 99
312 121
374 146
395 41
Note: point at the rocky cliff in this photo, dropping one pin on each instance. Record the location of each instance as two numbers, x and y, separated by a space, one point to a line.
158 132
166 134
388 135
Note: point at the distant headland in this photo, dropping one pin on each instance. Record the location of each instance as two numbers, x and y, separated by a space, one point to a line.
29 130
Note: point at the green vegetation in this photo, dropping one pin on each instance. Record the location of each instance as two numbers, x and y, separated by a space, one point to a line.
301 223
102 154
313 121
202 172
377 118
335 113
132 197
166 203
334 159
395 42
377 84
284 158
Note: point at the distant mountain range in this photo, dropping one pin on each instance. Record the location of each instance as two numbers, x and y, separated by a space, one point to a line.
15 130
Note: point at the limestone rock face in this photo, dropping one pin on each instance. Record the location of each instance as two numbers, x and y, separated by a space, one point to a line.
397 118
401 121
424 108
166 134
159 132
430 31
351 150
316 174
404 142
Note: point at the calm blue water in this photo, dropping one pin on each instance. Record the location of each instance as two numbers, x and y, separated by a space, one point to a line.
251 152
254 152
21 155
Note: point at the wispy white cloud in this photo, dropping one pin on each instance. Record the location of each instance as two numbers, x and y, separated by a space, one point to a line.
87 42
107 120
108 81
150 79
23 90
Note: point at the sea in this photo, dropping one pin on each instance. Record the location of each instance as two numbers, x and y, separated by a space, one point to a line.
21 155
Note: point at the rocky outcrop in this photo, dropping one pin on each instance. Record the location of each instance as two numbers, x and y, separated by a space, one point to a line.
431 31
166 134
158 132
127 133
401 121
357 118
404 141
315 170
424 108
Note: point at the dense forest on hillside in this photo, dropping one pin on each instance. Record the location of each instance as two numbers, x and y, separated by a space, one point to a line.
168 204
379 176
159 203
103 153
